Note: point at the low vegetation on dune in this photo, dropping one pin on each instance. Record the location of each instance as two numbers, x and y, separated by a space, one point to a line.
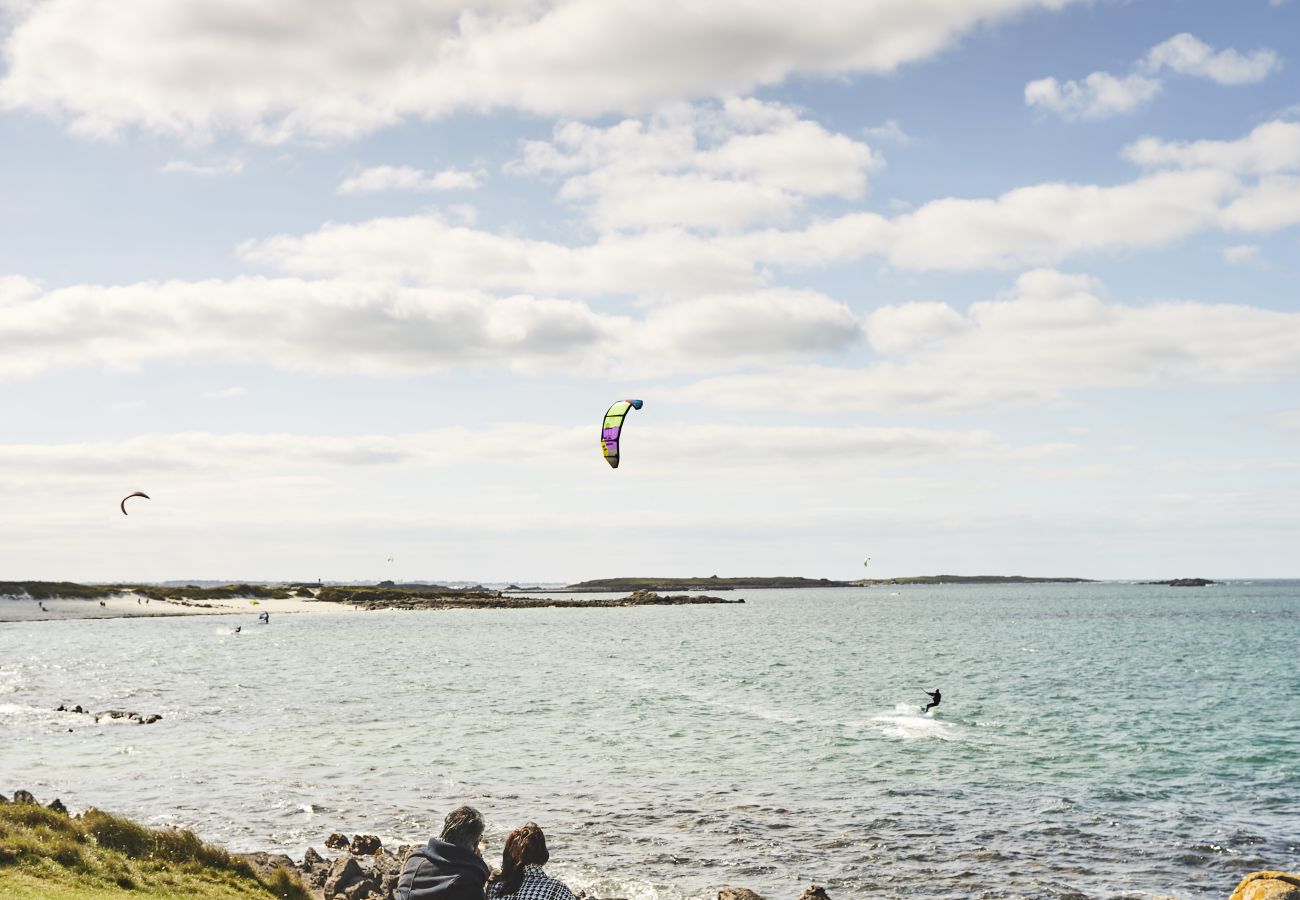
45 854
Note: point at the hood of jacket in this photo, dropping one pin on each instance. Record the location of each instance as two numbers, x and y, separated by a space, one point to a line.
451 859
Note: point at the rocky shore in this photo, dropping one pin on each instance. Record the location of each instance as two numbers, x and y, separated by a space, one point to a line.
368 598
364 868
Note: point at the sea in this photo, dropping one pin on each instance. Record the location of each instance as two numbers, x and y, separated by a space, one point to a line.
1094 740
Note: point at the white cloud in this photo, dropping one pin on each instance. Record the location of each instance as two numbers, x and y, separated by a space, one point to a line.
229 393
1099 96
1241 254
1270 148
890 131
342 67
1102 95
407 178
660 448
203 169
726 167
430 251
1188 55
381 329
1197 187
1053 335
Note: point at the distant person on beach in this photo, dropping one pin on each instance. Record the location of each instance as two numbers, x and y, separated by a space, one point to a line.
449 867
934 700
521 876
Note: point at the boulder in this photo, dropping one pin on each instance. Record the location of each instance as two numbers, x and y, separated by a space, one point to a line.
814 892
1268 886
311 859
337 841
264 864
363 889
57 805
345 872
3 799
25 797
365 845
737 893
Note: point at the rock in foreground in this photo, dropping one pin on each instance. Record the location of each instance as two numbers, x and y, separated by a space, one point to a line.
1268 886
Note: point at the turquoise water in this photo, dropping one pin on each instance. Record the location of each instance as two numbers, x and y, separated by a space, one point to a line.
1098 740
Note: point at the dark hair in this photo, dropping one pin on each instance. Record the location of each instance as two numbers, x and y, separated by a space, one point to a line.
526 846
463 827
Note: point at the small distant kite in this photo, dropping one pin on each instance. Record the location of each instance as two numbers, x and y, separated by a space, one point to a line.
867 561
390 559
129 496
613 427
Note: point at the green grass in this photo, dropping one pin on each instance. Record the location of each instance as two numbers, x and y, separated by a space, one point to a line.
47 855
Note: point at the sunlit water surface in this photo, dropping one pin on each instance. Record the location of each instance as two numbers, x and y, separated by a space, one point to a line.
1096 740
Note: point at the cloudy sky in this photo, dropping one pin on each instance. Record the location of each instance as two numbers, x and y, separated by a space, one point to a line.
973 286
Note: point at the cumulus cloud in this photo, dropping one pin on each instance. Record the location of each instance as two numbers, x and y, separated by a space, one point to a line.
1269 148
1102 95
343 67
1249 185
204 169
725 167
1098 96
378 328
1051 336
1188 55
408 178
428 250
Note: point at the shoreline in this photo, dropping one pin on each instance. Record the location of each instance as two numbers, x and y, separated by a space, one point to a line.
129 604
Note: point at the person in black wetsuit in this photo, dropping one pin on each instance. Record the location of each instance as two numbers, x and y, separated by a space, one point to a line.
935 697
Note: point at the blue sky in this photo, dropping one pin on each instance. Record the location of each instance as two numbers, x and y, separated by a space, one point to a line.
980 286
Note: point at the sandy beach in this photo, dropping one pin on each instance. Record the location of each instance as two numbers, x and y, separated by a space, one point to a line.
129 604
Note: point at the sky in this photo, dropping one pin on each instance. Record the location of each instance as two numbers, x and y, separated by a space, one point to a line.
962 286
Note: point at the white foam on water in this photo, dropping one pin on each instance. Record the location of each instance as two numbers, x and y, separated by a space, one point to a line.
906 721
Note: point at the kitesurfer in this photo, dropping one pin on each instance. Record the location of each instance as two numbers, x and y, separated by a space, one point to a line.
237 627
264 617
934 700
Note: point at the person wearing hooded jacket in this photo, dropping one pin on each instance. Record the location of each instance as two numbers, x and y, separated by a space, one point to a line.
449 867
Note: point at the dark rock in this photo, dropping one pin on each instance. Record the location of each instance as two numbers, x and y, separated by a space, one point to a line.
360 890
137 718
1184 582
365 845
345 872
311 859
337 841
264 864
737 893
57 806
21 797
814 892
3 799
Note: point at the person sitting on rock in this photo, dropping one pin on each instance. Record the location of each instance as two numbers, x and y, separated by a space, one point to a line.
449 867
521 876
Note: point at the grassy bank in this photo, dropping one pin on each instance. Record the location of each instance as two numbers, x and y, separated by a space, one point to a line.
48 855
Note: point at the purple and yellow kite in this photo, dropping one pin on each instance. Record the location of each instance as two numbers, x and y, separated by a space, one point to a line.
614 417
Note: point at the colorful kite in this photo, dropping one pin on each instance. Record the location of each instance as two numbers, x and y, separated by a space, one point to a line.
614 417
